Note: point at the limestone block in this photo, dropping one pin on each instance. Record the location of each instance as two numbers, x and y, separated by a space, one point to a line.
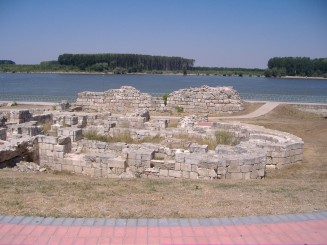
185 167
175 174
212 173
203 172
59 148
254 174
247 176
194 175
177 166
163 172
246 168
261 172
88 171
185 174
236 176
234 167
180 157
117 162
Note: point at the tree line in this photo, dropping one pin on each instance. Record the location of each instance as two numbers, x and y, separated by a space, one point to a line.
128 62
296 66
7 62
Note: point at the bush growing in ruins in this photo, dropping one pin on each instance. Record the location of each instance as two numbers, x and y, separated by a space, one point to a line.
179 109
46 127
165 97
225 138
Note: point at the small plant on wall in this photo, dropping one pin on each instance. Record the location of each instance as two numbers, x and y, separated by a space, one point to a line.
165 97
179 109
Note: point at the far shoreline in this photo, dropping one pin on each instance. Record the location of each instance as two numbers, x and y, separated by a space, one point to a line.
143 73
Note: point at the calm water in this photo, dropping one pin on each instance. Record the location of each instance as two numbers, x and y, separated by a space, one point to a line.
55 87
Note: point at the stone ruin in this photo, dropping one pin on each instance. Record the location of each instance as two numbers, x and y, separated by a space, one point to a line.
213 100
57 141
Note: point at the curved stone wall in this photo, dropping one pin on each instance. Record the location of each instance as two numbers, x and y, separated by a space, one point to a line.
256 149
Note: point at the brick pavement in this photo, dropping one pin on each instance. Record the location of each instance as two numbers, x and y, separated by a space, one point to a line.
306 228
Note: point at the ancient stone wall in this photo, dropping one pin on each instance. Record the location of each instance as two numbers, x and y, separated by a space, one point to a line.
255 149
125 99
193 100
205 100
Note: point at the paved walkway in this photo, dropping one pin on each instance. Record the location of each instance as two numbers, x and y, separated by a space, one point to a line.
307 228
262 110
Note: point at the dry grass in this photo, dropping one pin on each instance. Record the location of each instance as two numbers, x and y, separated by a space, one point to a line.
298 188
67 195
126 138
46 127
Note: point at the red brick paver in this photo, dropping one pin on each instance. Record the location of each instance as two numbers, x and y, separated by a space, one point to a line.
301 232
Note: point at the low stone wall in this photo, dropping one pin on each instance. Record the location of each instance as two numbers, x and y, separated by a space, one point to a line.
205 100
193 100
125 99
20 116
177 156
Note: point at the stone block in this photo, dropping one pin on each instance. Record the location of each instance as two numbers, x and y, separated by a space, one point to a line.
261 172
59 148
212 173
185 174
247 176
177 166
194 175
236 176
163 172
180 157
88 171
234 168
185 167
202 172
117 162
175 174
246 168
78 169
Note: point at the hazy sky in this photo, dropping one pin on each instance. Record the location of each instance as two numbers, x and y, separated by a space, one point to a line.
224 33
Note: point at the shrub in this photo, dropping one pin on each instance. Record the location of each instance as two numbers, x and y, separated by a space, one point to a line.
14 103
165 97
179 109
224 138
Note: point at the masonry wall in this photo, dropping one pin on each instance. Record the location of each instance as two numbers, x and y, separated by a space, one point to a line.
205 100
193 100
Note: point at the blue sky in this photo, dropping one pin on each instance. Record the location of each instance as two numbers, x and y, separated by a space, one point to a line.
224 33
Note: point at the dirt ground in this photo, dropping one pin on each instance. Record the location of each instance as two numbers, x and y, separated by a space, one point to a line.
298 188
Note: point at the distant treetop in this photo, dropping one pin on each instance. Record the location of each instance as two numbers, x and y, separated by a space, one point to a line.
296 66
7 62
128 61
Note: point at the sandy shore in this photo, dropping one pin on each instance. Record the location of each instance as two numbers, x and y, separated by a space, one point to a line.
299 77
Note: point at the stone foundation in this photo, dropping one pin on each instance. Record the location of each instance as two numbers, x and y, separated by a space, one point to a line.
178 155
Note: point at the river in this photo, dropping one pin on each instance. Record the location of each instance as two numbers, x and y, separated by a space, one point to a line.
56 87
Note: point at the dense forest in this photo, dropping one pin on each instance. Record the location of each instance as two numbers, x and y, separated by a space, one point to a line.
135 63
296 66
130 62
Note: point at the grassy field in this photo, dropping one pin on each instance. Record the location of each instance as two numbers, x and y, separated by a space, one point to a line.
298 188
